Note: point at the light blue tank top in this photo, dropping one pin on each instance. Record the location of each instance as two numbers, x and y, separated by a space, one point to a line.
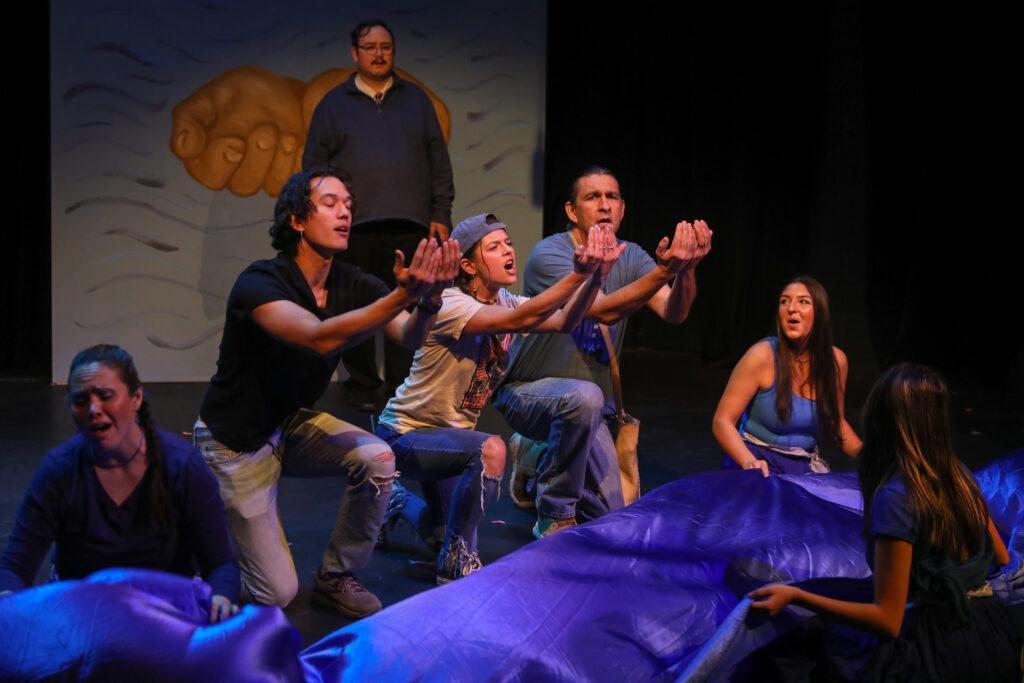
762 422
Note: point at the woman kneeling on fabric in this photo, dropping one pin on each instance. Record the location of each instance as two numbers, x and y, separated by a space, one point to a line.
430 422
787 391
120 493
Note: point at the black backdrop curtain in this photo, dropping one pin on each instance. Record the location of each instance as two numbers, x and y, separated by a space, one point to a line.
25 297
868 146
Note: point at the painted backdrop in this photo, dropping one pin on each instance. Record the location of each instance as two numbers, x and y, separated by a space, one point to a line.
143 253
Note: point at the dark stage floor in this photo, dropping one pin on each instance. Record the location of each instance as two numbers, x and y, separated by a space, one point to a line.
674 396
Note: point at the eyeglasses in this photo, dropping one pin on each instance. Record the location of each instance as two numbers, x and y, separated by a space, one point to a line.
385 48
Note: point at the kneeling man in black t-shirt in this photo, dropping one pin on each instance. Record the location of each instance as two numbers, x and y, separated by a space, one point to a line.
287 320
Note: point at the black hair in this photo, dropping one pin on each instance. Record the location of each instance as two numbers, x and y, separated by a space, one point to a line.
119 360
587 171
363 27
296 201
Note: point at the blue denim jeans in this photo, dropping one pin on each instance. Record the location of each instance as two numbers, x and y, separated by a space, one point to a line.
436 454
578 477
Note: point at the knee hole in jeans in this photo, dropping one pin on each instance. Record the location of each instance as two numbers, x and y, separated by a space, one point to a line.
493 456
381 468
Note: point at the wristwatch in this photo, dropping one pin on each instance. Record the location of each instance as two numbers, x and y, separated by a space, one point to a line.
428 307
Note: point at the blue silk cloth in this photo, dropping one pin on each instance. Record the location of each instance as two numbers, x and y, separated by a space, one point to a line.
652 592
140 625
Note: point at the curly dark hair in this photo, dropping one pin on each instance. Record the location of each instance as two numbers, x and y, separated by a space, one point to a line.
296 201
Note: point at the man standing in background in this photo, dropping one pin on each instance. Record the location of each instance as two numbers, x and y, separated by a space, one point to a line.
383 131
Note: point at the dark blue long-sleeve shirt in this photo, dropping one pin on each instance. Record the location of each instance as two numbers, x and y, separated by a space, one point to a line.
394 152
66 504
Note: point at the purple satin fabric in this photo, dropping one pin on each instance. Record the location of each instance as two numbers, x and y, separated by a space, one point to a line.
140 625
654 591
631 596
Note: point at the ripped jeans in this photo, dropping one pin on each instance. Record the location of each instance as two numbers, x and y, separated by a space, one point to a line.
434 454
308 444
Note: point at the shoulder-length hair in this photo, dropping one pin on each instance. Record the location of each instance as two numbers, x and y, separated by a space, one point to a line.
907 431
296 201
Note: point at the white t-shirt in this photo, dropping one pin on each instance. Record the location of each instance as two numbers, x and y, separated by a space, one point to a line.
452 375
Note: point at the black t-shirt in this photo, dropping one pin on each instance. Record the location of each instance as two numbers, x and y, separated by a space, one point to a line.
260 380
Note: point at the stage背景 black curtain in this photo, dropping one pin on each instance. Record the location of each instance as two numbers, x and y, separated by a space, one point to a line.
815 138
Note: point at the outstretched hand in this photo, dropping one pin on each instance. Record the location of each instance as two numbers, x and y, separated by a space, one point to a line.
448 268
773 598
690 244
703 233
417 278
600 253
432 267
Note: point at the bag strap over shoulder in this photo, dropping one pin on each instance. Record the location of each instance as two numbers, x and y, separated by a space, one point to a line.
613 363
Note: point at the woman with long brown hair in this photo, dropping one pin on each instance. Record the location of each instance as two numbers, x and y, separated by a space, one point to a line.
121 493
930 541
787 391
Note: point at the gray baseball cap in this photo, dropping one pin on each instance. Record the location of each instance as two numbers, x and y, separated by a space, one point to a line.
472 230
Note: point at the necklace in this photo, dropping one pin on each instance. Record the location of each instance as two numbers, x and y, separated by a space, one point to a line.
118 464
483 301
488 302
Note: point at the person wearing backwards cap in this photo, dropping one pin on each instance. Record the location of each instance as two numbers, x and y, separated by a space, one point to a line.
430 421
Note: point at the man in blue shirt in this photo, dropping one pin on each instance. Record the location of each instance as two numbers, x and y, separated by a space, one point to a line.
558 385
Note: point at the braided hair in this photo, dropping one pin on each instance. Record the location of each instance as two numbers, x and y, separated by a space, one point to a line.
119 360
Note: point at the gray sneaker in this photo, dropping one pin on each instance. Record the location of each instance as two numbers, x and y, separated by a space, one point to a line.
524 454
546 526
457 562
343 593
393 517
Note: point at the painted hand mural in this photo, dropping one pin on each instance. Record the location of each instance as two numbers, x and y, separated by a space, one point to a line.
245 129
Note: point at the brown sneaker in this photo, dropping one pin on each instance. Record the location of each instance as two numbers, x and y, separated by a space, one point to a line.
546 526
343 593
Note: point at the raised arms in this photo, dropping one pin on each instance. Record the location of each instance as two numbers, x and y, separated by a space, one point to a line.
294 325
675 259
542 312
